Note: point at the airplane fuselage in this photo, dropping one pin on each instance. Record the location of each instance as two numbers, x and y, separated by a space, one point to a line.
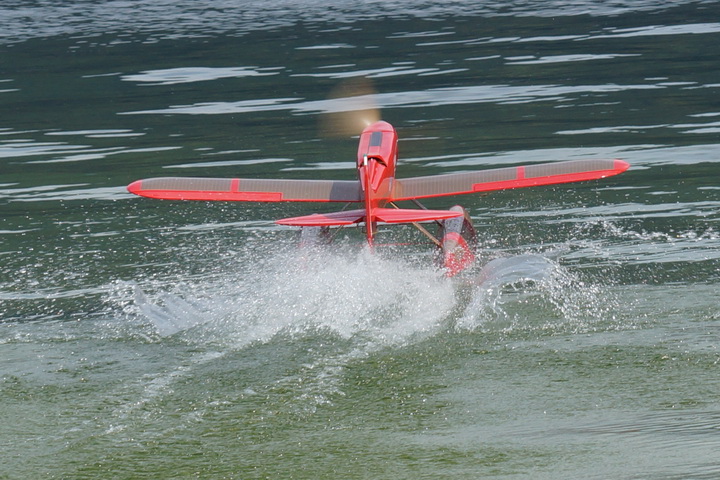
376 161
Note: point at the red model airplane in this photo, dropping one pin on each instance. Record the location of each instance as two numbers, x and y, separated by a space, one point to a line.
377 188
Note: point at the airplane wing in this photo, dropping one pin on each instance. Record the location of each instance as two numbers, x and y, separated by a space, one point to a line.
505 178
247 190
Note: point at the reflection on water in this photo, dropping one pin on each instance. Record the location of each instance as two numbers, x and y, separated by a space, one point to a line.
173 76
177 19
498 94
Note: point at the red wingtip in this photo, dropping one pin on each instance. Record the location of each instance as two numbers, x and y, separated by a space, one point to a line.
621 165
135 187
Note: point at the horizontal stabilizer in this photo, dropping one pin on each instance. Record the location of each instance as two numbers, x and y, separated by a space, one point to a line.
506 178
247 190
399 215
385 215
325 219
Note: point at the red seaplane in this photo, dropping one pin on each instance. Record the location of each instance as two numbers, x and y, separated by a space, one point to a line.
377 190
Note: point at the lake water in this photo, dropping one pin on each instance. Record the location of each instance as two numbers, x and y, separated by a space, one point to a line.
152 339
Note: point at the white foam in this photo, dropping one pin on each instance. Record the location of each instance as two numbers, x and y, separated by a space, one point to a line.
519 288
352 295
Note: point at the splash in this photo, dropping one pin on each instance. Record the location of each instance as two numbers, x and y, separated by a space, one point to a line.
334 308
358 296
371 300
532 291
311 314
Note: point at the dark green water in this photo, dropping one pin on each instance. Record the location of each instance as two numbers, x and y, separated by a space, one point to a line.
149 339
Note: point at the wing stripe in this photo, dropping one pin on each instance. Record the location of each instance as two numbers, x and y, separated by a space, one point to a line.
452 184
505 178
307 190
249 190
